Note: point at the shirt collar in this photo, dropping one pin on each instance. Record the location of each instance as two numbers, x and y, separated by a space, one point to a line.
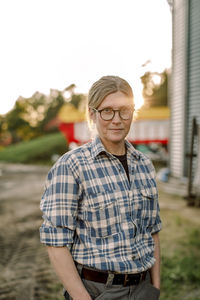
98 147
132 151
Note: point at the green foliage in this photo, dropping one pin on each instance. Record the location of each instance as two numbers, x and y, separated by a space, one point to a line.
29 116
33 117
76 100
50 110
155 88
36 150
182 269
15 121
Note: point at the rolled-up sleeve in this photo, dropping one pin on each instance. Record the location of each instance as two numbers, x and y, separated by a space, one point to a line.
155 208
157 226
59 205
157 223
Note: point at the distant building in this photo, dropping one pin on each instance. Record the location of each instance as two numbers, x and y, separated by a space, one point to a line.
184 88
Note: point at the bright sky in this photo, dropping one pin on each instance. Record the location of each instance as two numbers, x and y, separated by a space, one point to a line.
53 43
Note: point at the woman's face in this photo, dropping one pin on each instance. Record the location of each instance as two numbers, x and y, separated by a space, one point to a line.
113 132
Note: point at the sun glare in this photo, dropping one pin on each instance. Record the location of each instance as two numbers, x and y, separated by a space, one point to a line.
156 79
138 97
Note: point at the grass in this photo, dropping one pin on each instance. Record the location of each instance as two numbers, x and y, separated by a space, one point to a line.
181 271
180 251
39 150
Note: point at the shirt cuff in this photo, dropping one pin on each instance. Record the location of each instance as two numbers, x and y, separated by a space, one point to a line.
156 228
56 237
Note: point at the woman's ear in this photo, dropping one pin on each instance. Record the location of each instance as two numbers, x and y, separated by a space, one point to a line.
92 115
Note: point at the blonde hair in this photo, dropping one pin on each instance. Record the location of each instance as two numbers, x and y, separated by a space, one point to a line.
105 86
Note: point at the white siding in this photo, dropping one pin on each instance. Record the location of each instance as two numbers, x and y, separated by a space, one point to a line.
193 69
177 93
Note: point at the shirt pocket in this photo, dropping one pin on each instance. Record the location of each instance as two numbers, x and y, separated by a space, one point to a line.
101 214
146 206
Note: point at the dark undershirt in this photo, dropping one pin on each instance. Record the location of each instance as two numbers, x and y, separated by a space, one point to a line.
123 160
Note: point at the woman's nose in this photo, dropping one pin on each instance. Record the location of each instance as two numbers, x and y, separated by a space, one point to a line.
116 117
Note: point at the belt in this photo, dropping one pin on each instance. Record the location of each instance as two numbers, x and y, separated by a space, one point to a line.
118 279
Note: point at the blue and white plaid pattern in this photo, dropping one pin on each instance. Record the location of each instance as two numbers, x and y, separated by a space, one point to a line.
90 206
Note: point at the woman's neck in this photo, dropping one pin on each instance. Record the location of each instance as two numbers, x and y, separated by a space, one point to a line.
115 148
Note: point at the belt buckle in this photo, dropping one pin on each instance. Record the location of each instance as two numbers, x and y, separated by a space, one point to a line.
126 279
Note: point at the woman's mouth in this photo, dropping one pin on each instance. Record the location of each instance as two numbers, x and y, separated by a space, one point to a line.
116 129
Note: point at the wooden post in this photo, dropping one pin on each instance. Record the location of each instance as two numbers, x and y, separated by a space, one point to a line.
190 195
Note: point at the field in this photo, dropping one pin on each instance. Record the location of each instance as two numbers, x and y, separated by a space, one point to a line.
26 273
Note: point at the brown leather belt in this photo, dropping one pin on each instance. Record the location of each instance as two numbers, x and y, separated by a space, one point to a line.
118 279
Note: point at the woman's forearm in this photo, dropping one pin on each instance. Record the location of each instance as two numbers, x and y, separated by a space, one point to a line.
66 270
155 270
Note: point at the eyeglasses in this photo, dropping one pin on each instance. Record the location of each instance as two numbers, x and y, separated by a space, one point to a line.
107 114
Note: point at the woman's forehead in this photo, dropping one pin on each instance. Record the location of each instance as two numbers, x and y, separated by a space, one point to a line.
116 100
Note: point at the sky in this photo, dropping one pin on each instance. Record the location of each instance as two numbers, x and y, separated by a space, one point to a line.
50 44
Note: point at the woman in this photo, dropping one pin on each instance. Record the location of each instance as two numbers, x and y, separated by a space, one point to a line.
100 207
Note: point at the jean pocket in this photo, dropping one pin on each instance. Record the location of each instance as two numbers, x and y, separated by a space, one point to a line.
95 289
147 291
66 295
152 292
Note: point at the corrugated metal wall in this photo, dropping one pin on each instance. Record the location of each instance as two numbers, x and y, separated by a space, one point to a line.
193 108
177 90
185 83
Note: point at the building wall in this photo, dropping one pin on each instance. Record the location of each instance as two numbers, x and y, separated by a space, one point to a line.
185 82
193 107
177 88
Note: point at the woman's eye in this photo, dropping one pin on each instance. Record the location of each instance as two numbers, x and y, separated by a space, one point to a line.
107 110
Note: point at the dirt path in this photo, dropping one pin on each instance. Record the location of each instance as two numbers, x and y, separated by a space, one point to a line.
25 272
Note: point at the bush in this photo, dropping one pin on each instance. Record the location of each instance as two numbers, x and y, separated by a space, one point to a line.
39 150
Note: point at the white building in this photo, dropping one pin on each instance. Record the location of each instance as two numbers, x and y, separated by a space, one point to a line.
184 88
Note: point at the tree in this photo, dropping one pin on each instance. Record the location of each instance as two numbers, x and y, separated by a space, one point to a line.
54 103
17 125
78 100
31 117
155 86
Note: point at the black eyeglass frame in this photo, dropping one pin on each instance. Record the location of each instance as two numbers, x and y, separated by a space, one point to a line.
114 111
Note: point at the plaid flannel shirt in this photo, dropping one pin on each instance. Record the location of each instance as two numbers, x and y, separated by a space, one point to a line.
90 206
